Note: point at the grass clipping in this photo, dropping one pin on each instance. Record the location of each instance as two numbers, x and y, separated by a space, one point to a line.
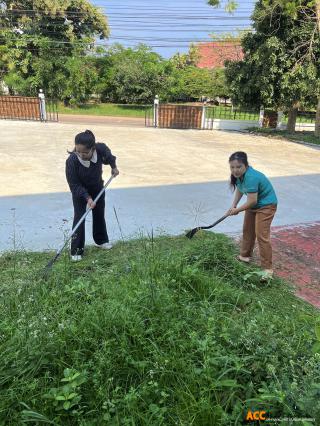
161 331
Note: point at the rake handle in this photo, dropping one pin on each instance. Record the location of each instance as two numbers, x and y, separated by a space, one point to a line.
191 233
79 223
88 210
215 223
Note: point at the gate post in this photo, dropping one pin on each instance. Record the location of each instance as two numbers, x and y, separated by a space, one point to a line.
203 117
156 111
261 117
279 120
42 104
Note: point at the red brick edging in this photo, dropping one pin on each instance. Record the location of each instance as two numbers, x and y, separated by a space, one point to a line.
296 257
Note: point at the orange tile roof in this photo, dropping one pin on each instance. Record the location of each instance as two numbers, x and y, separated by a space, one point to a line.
214 54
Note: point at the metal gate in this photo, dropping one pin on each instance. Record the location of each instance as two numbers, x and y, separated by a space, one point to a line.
179 116
204 117
171 116
28 108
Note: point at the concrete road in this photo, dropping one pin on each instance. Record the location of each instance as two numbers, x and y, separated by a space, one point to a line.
170 181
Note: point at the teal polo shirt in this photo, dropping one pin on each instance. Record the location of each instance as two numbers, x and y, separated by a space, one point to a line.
254 181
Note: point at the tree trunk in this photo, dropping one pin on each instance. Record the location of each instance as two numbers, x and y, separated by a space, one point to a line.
317 124
292 118
66 102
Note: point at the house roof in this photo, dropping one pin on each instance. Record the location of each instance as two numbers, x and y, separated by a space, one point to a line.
214 54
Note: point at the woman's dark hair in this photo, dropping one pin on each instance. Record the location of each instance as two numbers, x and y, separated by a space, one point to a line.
242 158
86 139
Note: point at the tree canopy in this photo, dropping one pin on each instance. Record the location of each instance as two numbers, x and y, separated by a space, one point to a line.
42 40
306 46
130 75
275 71
230 5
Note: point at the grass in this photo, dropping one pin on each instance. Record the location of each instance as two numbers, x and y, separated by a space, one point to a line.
302 136
113 110
307 117
162 331
117 110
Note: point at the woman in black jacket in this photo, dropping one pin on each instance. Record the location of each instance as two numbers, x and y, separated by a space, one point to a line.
84 176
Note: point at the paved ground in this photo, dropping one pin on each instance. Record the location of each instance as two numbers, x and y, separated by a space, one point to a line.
170 181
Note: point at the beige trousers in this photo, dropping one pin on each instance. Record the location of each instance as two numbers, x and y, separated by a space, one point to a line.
256 225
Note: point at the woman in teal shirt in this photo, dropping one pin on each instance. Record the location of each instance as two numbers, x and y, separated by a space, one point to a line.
260 208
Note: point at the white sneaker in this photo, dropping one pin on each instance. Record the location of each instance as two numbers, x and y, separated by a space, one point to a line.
76 258
268 275
105 246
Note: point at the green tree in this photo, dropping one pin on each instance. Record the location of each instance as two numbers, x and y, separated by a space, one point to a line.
42 40
183 60
190 82
129 75
302 52
195 83
307 45
230 5
271 73
220 86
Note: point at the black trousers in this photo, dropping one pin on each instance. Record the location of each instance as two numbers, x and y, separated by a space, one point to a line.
99 229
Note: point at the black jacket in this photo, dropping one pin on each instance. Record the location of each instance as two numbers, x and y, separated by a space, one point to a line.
82 180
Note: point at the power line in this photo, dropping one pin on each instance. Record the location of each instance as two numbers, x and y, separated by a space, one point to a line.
80 42
152 38
131 46
147 15
158 27
129 8
124 19
158 17
45 26
46 30
170 8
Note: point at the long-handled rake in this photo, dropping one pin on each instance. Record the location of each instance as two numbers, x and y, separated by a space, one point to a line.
191 233
52 261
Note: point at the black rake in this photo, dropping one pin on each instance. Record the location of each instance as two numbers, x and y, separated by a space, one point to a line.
193 231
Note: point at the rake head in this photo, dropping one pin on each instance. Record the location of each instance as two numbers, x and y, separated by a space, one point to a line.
46 272
191 233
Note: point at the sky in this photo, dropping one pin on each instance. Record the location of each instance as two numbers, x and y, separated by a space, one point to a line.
169 26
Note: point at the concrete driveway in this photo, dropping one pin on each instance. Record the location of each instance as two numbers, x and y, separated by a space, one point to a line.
170 181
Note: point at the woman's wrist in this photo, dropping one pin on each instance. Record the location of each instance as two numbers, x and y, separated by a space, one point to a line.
115 171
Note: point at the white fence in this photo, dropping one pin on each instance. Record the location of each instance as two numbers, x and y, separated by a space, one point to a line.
219 124
216 118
